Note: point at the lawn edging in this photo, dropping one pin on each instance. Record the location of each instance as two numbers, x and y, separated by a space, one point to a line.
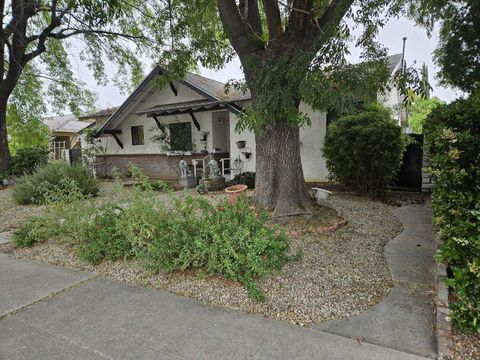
444 327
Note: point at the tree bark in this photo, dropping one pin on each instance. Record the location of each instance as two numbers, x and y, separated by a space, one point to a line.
279 181
4 150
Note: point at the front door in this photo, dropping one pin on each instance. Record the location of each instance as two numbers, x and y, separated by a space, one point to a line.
221 131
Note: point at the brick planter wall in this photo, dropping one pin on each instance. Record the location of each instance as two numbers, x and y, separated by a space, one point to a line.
155 166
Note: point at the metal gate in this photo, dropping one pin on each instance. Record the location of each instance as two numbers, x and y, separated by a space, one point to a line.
75 155
410 175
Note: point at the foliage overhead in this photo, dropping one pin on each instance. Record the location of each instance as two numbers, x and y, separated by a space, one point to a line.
364 150
453 141
459 38
39 41
289 51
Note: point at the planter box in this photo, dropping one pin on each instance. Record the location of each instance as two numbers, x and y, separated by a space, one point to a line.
188 182
214 184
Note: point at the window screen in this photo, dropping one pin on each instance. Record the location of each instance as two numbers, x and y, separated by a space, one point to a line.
181 136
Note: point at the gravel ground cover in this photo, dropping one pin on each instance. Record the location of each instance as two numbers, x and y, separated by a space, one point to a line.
13 215
466 346
342 273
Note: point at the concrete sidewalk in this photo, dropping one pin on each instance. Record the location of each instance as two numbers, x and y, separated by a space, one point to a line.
54 313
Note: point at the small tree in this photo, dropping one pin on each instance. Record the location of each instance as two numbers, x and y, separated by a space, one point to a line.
95 152
37 38
419 112
364 150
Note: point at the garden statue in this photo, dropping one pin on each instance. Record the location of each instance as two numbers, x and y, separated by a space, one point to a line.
187 180
212 178
184 171
214 170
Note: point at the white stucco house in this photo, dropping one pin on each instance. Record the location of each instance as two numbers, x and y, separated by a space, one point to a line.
201 118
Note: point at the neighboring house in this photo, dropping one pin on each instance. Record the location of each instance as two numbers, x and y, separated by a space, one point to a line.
200 118
98 117
64 130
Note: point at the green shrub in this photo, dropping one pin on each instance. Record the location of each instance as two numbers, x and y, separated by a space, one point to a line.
102 239
26 160
245 178
364 151
188 233
202 189
55 181
452 135
35 229
231 240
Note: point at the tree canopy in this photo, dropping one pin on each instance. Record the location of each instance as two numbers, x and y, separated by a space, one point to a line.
419 111
39 39
459 39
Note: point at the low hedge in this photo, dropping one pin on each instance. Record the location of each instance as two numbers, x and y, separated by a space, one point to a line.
452 134
189 233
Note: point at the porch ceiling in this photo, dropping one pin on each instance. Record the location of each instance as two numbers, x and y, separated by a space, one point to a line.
189 107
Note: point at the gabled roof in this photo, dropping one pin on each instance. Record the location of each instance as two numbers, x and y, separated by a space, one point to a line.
65 124
393 61
211 89
99 113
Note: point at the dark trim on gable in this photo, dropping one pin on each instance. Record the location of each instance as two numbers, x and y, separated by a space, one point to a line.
156 70
159 70
195 121
190 85
113 131
174 89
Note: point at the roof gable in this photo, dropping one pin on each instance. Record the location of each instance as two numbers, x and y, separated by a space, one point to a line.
207 88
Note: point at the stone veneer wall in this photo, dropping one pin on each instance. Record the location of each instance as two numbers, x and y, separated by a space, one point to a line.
426 175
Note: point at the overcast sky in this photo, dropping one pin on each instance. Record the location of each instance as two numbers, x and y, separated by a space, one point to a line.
419 48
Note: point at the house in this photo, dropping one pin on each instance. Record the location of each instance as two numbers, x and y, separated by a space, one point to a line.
98 117
200 118
64 131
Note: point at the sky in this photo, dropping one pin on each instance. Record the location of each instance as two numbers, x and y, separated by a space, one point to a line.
419 48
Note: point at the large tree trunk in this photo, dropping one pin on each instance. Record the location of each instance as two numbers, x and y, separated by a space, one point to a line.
4 151
279 183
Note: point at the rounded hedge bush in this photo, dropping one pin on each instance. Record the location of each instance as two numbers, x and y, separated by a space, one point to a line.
364 150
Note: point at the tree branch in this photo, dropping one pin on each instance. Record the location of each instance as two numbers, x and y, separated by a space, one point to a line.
274 20
253 17
238 31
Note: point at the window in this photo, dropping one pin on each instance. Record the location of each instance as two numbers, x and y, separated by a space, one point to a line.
181 136
137 135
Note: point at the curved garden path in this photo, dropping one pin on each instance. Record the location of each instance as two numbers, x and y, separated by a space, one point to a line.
405 319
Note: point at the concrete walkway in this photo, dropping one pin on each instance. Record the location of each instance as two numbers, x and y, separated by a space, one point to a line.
405 320
54 313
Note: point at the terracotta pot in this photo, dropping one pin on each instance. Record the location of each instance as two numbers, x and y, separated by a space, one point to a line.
234 192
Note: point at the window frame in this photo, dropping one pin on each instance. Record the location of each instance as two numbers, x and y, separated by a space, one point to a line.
139 139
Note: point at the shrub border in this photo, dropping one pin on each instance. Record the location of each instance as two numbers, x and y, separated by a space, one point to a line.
444 327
